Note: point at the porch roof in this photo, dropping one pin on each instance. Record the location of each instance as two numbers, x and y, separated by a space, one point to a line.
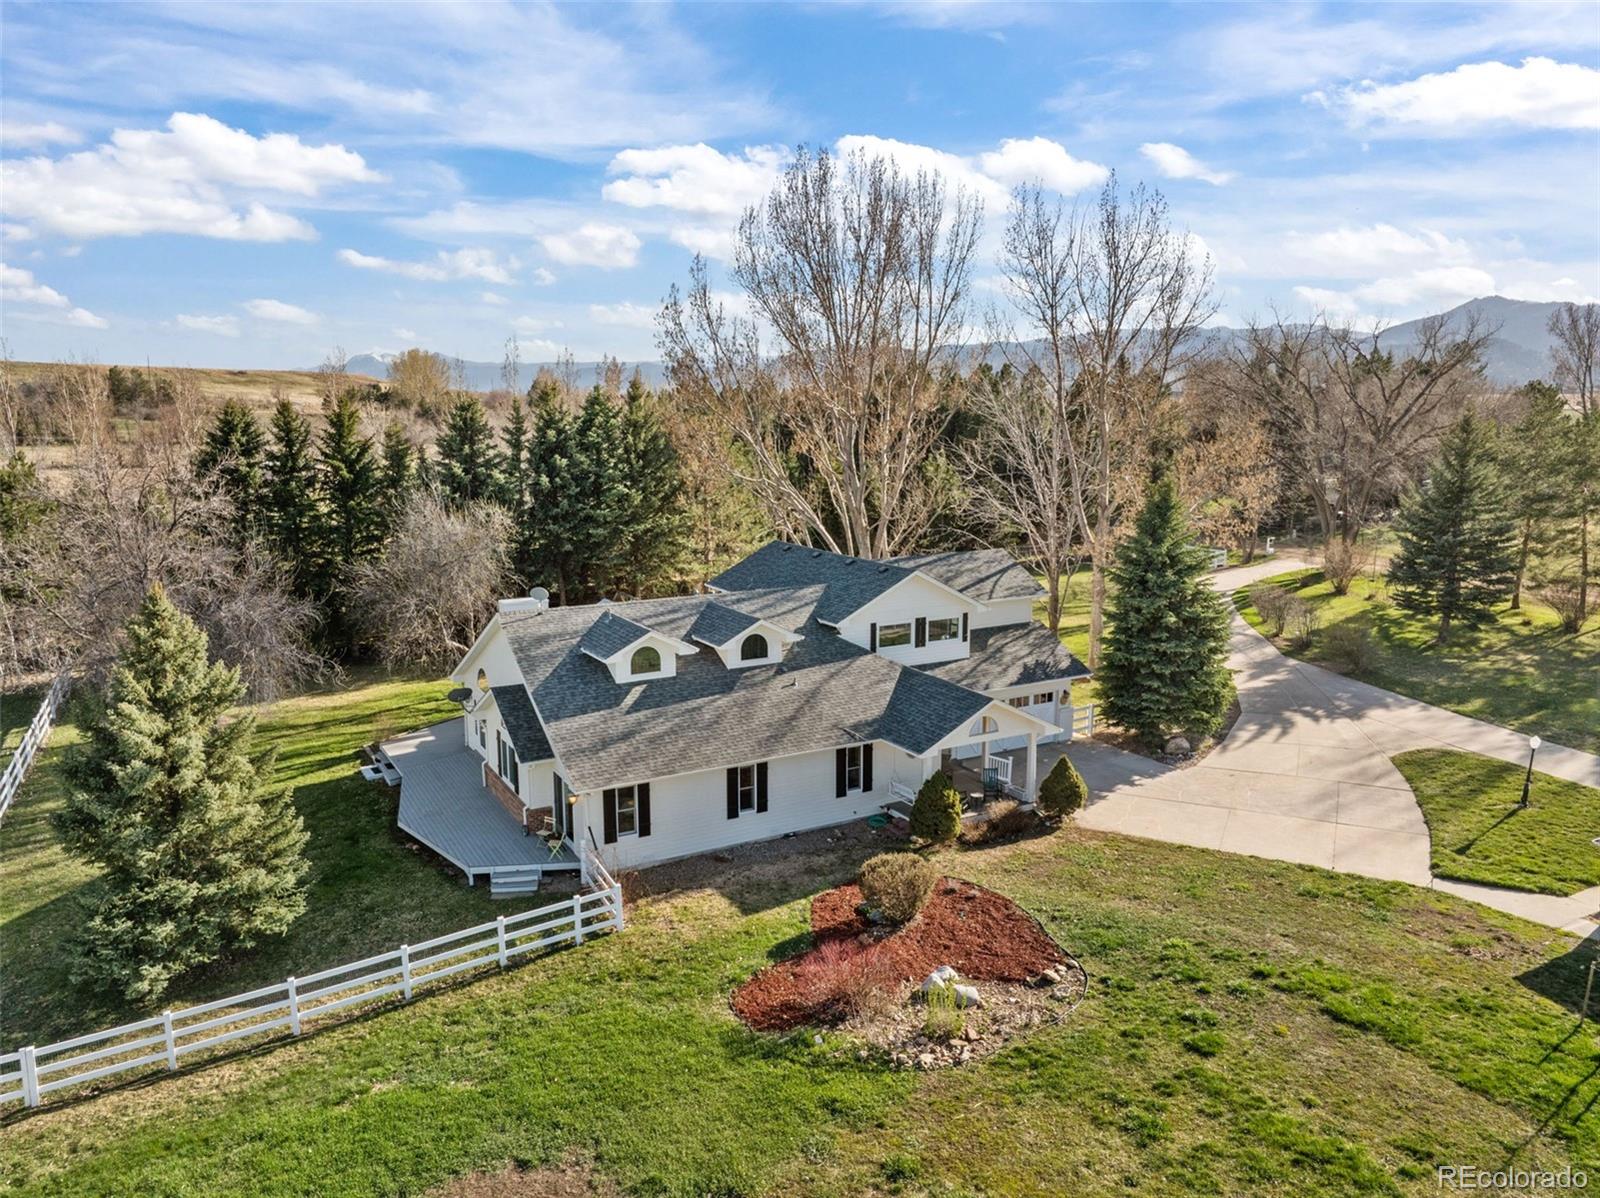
1014 655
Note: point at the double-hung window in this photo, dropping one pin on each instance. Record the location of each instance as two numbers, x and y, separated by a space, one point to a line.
948 629
890 635
508 760
747 788
852 768
627 811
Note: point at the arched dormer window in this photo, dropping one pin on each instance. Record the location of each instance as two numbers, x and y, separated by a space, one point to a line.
645 660
754 648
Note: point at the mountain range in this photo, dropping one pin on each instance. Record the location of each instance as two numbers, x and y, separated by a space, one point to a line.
1519 350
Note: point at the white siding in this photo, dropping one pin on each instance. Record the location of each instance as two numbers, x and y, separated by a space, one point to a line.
902 605
494 658
689 813
1052 711
1004 612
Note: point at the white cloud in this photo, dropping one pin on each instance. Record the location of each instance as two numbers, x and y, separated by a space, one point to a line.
282 313
18 286
490 297
627 314
1360 252
1040 160
460 264
911 158
187 179
534 324
1399 297
542 276
593 244
406 335
694 178
25 134
10 231
1562 290
1541 93
1175 162
222 326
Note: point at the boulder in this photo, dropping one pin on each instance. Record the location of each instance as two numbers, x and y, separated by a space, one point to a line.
938 979
967 996
1178 746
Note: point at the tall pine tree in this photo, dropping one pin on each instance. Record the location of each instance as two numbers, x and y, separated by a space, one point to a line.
397 472
200 853
1536 488
543 550
354 515
1457 535
599 488
468 463
1162 671
655 524
233 453
292 505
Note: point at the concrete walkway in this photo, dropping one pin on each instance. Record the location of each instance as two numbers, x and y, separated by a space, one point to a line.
1305 776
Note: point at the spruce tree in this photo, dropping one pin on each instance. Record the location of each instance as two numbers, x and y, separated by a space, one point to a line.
598 485
292 507
543 551
1457 536
397 472
1530 460
233 453
1162 670
654 527
200 853
347 476
467 464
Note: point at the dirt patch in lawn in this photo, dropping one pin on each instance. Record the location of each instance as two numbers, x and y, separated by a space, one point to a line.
570 1179
855 968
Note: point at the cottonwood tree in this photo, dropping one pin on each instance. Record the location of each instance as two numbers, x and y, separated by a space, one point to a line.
199 852
420 380
423 602
860 275
1576 351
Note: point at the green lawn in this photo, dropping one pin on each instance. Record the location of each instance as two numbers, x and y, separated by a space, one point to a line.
17 709
1074 630
1248 1029
1520 672
1481 834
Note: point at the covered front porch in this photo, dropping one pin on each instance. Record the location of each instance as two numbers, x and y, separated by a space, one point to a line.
443 804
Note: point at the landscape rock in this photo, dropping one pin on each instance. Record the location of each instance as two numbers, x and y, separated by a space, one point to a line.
938 979
1178 746
967 996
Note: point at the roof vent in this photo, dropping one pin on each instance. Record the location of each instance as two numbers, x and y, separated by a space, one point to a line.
816 553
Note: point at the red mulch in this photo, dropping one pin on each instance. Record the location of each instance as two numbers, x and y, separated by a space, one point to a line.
983 935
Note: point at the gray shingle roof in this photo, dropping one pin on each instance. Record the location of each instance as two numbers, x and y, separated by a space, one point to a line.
1015 655
527 734
611 634
827 692
983 574
717 624
848 582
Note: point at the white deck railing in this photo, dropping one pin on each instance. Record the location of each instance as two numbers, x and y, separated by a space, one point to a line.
43 719
28 1074
1001 766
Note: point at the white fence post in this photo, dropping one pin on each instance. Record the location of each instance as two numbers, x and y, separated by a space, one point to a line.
172 1043
405 970
616 906
294 1009
30 1078
577 919
500 939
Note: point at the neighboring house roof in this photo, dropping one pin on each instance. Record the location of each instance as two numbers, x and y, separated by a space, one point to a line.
986 575
717 624
826 693
1015 655
521 723
611 634
849 583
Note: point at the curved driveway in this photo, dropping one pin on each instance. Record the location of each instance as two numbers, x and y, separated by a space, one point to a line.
1305 775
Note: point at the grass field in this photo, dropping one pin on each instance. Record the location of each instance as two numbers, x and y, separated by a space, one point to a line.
257 388
1249 1028
1520 672
1481 834
17 709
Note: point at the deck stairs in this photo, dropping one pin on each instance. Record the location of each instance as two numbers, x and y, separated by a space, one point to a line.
508 881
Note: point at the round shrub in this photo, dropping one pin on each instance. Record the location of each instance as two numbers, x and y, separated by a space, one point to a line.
897 884
1063 790
936 815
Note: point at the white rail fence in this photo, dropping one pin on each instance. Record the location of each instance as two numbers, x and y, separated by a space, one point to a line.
43 719
1080 721
31 1073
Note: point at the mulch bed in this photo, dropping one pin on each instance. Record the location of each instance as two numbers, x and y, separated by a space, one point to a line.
983 935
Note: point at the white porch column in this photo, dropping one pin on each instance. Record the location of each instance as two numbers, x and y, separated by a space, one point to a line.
1031 783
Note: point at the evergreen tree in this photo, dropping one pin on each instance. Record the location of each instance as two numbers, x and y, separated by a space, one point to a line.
291 516
397 472
1456 534
200 853
655 525
543 551
24 503
936 811
467 465
1063 790
603 498
233 453
1530 460
1162 669
347 475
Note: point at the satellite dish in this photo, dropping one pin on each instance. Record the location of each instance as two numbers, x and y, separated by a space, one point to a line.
539 595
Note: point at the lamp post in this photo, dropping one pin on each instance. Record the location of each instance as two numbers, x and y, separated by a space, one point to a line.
1527 781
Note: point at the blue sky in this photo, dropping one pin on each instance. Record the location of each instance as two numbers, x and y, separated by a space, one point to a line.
242 185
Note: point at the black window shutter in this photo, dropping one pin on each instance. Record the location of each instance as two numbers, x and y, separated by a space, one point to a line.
866 767
644 808
761 786
922 631
838 772
733 792
609 803
872 637
963 625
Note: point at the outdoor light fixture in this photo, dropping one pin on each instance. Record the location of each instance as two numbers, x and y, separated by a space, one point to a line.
1527 782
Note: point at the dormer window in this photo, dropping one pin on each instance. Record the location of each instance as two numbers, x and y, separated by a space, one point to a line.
645 660
754 648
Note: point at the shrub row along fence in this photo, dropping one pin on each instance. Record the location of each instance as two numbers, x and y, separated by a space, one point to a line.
166 1039
43 719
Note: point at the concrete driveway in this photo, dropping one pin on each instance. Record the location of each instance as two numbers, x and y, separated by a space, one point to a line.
1305 776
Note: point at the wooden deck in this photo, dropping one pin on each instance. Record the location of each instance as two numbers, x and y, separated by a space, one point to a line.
444 805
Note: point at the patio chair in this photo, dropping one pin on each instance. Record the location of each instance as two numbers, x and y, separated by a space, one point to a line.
991 784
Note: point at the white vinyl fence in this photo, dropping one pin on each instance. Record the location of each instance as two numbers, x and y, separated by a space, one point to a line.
30 1073
17 768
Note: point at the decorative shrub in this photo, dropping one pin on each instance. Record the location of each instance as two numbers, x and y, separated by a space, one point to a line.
1271 604
1350 647
1342 561
1302 619
999 819
945 1019
936 815
897 884
1063 790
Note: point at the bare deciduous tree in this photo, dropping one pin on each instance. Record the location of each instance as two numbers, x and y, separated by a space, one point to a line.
420 380
333 376
1576 328
860 272
426 598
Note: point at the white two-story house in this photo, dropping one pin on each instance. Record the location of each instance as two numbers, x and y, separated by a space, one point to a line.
805 689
